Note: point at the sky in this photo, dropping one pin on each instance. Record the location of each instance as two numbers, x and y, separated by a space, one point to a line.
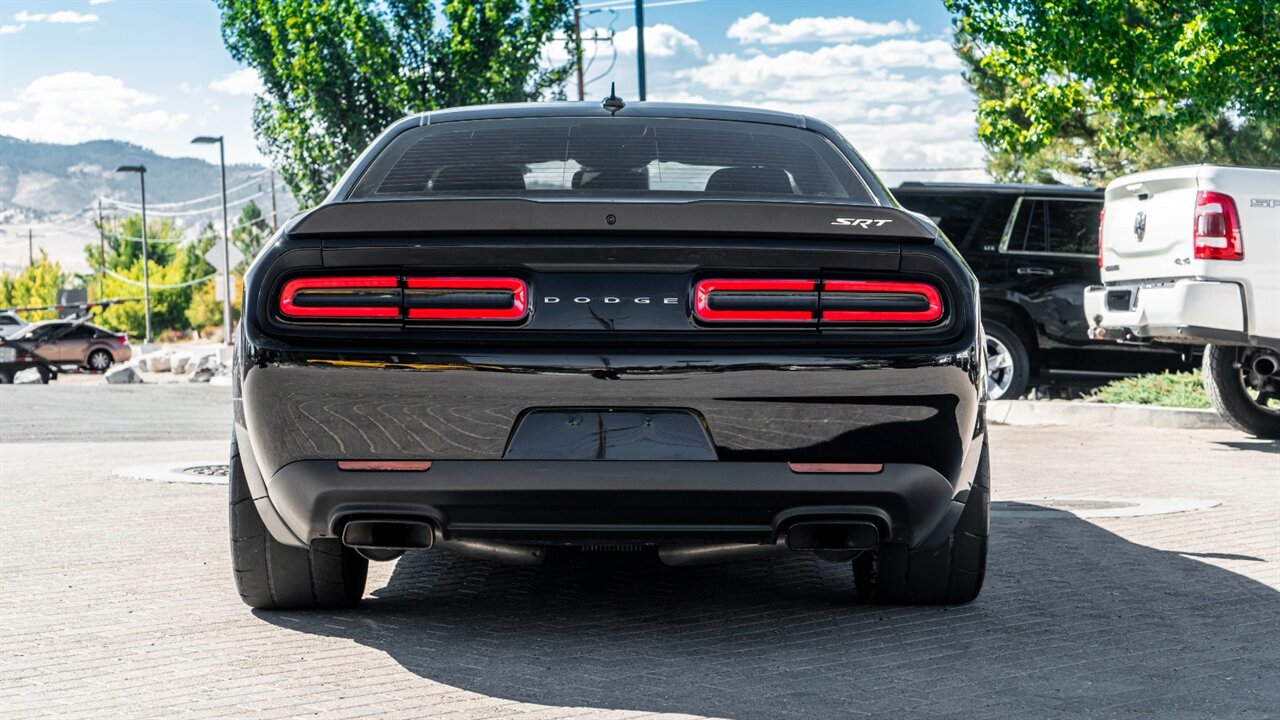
155 72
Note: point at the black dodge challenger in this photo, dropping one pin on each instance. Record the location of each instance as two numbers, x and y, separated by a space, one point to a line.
702 331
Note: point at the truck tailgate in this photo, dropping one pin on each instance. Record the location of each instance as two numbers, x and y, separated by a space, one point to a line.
1147 226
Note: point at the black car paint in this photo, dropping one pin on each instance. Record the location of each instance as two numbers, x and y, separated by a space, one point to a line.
1038 294
310 394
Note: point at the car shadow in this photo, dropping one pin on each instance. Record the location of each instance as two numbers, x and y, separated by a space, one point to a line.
1074 620
1270 447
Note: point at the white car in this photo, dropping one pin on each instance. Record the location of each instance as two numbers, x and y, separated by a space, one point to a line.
1191 255
10 323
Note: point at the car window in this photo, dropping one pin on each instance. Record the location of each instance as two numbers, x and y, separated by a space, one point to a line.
953 215
1046 225
41 332
10 321
629 157
80 333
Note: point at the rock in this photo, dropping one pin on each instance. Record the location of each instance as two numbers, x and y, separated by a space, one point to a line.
123 374
159 363
203 375
30 376
205 361
179 362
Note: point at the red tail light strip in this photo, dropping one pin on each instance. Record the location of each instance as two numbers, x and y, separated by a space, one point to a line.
849 468
385 465
339 285
519 303
929 293
751 289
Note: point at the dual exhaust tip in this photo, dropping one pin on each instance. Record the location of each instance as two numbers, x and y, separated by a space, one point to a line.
388 539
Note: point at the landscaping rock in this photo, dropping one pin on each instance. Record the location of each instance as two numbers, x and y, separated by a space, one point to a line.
159 362
203 375
123 374
179 362
30 376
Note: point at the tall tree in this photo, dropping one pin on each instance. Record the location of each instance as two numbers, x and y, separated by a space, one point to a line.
1089 89
337 72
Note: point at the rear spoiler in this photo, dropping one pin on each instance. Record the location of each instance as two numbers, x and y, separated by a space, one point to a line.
702 217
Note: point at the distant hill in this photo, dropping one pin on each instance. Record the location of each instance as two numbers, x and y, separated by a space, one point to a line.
47 188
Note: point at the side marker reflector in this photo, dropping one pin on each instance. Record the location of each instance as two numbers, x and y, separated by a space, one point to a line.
847 468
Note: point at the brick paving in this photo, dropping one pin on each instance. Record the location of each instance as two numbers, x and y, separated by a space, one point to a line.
118 603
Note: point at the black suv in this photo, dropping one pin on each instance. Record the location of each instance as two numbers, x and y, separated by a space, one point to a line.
1034 249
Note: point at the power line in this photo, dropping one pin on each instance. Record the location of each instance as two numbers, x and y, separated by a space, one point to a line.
926 169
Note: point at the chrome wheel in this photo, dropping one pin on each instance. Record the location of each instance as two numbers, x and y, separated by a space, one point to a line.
1000 368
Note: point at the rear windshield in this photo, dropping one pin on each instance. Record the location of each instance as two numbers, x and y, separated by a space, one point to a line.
613 157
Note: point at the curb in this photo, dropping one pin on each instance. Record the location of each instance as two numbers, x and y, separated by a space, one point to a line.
1049 412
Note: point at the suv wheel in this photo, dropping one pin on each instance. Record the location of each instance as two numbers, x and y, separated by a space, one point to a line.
1008 366
950 573
1243 385
274 576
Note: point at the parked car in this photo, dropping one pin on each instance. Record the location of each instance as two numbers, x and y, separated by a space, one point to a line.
702 330
1034 249
1192 255
10 323
73 342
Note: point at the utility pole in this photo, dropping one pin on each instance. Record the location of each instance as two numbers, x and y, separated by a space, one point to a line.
640 44
275 224
31 249
577 29
102 252
226 235
141 170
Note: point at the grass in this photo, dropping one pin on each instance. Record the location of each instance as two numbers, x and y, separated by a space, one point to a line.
1178 390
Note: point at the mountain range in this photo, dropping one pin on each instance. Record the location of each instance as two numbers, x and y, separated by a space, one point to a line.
51 191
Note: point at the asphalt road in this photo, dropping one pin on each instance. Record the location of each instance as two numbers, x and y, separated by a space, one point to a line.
118 599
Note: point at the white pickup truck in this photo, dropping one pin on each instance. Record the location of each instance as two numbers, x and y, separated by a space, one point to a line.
1191 255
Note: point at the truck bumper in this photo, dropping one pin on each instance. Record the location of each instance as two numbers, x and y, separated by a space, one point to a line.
1182 311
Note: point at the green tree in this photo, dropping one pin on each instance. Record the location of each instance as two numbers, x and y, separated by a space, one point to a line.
1087 90
249 233
36 285
337 72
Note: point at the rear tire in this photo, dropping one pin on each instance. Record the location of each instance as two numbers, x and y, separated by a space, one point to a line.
1008 365
1231 385
273 576
950 573
99 360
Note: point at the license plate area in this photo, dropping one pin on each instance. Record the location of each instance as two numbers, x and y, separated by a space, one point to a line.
610 434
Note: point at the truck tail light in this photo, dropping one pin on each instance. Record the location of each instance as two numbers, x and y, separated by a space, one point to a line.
363 297
758 301
864 301
1102 220
467 298
1216 233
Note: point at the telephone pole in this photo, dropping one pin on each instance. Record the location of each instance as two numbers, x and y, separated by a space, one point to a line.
577 29
102 252
275 224
31 249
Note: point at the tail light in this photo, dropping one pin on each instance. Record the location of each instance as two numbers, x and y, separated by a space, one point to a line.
859 301
466 298
812 301
391 297
1102 220
122 339
374 297
1216 234
755 300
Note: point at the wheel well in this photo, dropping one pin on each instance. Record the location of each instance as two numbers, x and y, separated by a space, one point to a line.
1018 320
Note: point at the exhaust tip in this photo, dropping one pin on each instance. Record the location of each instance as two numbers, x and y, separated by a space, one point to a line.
833 535
388 535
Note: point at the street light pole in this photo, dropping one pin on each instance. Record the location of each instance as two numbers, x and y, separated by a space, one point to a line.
226 235
640 44
146 257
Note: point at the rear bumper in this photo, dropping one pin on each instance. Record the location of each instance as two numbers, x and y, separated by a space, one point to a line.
593 502
1186 311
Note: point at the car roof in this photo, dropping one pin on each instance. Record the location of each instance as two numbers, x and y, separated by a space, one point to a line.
998 188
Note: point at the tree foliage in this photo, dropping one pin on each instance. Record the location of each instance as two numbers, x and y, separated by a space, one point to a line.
1091 89
35 286
338 72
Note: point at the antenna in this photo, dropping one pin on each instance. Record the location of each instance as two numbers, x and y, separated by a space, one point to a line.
613 103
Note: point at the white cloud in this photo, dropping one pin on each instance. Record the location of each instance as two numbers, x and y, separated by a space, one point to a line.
245 81
759 28
73 107
660 40
99 2
11 29
61 17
